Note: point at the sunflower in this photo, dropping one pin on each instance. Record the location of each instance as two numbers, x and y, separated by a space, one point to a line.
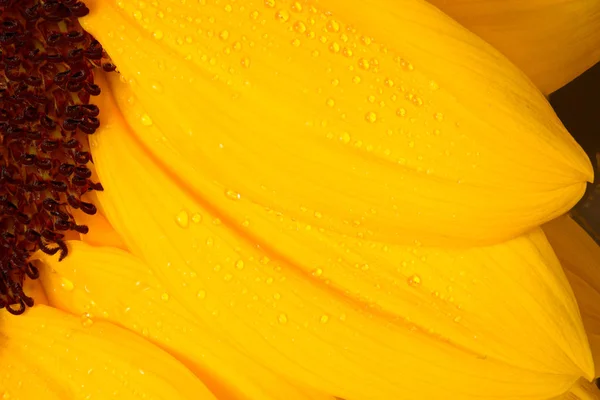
298 200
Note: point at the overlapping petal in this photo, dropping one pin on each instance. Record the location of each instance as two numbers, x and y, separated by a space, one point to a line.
137 301
49 354
551 41
347 316
580 256
388 122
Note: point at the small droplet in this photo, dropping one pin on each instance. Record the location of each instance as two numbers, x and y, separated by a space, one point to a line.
66 284
330 102
86 320
318 214
297 6
183 219
401 112
239 264
414 280
245 62
324 319
317 272
158 35
345 138
300 27
196 218
439 116
364 64
356 79
232 195
164 296
333 26
146 120
137 15
201 294
282 15
283 319
270 3
224 35
371 117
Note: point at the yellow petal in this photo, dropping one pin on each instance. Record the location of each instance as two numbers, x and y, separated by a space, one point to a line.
101 233
49 354
351 317
551 41
371 124
137 301
580 256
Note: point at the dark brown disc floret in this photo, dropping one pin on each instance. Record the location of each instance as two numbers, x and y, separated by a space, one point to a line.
47 64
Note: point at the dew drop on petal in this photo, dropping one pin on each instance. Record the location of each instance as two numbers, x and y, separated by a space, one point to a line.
164 297
146 120
196 218
283 319
183 219
66 284
232 195
414 280
201 294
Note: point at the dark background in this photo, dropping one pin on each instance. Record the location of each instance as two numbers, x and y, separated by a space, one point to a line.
578 106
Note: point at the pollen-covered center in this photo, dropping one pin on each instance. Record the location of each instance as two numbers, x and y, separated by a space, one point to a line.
46 85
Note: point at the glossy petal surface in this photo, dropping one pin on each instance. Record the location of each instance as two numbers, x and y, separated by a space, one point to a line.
137 301
49 354
388 122
551 41
347 316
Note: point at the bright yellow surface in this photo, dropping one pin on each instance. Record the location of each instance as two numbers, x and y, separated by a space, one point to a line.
349 317
388 122
551 41
49 354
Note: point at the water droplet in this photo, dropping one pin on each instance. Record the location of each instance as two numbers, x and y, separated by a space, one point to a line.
66 284
317 272
270 3
389 83
146 120
158 34
224 35
232 195
196 218
86 320
297 6
364 64
371 117
439 116
334 47
282 15
227 277
356 79
330 102
333 26
401 112
164 296
318 214
239 264
414 280
245 61
324 319
137 14
300 27
283 319
296 42
434 85
276 296
201 294
228 8
345 138
183 219
157 87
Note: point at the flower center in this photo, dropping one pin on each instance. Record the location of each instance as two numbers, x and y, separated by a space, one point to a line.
47 64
